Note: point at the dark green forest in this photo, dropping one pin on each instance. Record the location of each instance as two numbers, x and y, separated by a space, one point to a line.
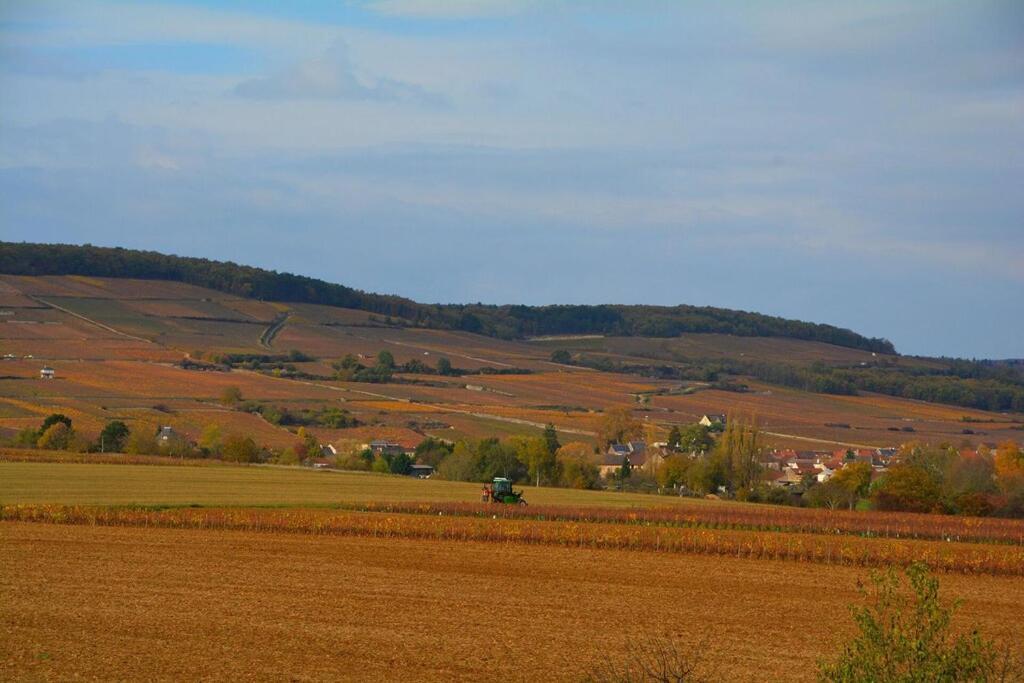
506 322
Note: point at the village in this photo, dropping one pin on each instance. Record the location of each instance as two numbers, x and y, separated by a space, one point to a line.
783 468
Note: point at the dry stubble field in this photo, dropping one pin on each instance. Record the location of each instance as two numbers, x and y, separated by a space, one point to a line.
177 604
321 594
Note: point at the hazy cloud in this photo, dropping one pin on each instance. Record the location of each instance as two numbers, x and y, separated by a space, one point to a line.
452 9
332 75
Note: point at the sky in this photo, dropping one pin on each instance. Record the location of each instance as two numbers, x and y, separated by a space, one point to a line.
858 164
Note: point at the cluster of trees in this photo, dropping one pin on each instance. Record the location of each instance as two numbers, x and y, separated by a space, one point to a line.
279 365
498 321
349 369
328 416
57 432
331 417
541 461
384 463
729 464
254 361
944 480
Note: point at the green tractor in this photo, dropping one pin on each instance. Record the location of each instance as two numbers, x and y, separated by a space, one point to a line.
500 491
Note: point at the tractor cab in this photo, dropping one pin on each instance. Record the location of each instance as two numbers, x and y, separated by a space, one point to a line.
502 486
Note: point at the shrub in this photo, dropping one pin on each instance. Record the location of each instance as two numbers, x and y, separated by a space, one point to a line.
907 637
561 356
230 396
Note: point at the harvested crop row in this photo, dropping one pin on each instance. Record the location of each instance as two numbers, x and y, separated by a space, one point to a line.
26 455
889 525
840 550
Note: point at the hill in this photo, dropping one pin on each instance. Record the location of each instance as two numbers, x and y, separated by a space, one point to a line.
163 352
506 322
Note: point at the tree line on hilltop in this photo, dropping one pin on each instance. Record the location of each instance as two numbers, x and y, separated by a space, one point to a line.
505 322
984 385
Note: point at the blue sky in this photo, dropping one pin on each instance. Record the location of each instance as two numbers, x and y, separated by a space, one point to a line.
852 163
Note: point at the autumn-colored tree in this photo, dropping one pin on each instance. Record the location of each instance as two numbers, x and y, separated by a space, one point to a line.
540 461
141 441
56 437
238 448
308 446
855 479
705 474
908 488
287 457
672 471
1009 465
844 489
26 438
618 425
739 450
210 440
578 469
1009 469
461 465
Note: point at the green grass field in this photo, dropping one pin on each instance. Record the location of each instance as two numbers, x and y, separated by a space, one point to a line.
104 484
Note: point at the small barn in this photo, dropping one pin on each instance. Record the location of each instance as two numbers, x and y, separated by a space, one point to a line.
421 471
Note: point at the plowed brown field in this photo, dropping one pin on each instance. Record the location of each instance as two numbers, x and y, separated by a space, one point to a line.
172 604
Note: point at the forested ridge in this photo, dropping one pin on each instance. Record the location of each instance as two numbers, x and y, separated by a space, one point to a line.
507 322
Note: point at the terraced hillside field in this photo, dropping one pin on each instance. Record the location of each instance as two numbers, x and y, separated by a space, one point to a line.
115 343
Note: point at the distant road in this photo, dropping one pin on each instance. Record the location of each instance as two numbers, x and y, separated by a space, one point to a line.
808 438
267 338
566 337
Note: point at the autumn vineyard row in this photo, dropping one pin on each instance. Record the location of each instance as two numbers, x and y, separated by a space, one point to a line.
891 525
817 548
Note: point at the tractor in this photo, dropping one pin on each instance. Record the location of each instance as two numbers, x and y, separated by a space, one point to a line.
500 491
